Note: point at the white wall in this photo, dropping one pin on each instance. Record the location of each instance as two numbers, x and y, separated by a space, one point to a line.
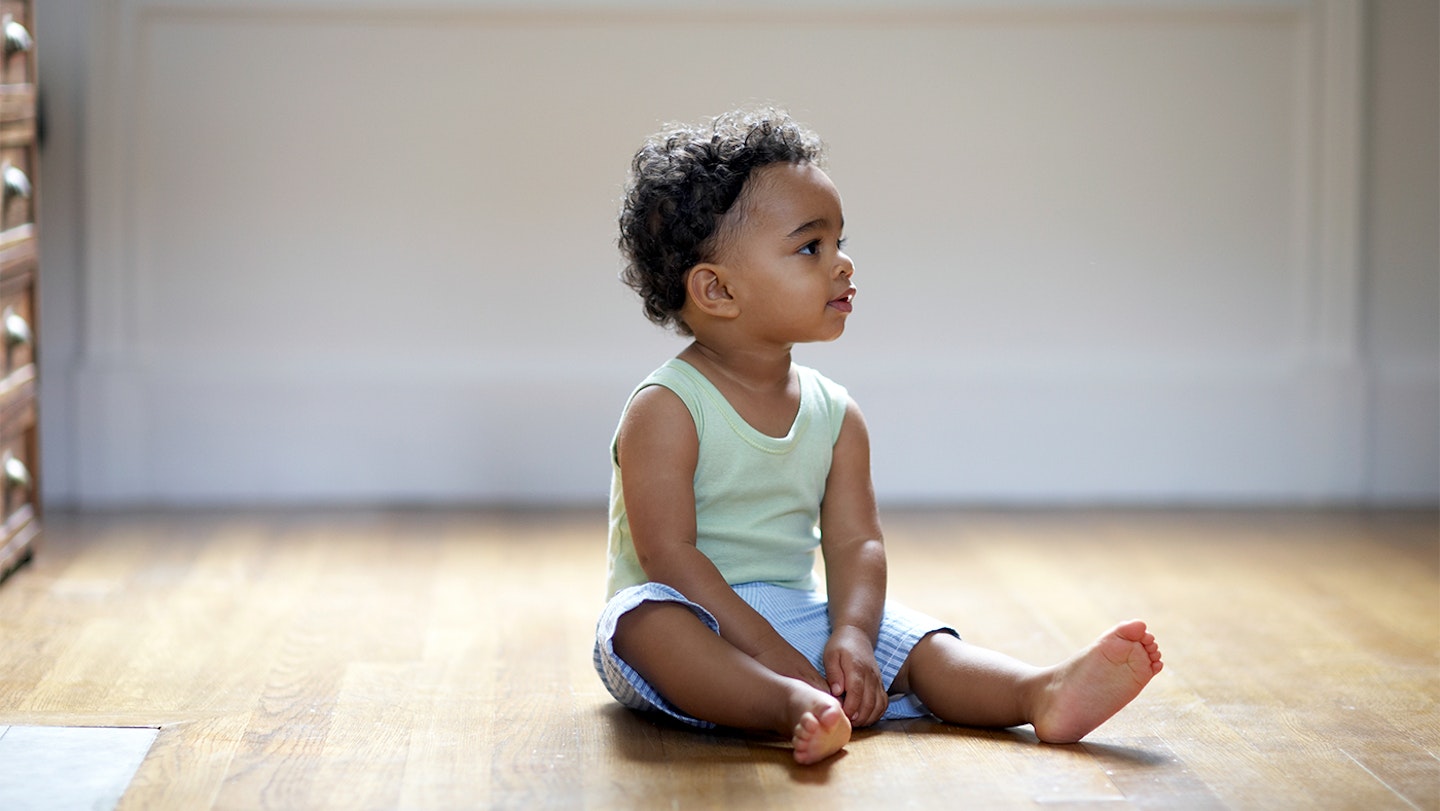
328 251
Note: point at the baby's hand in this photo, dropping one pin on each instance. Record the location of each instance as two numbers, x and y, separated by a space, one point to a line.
854 676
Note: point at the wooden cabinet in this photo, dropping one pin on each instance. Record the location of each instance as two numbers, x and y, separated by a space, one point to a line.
19 264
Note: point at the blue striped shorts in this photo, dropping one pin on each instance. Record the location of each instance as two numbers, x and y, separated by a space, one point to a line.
801 617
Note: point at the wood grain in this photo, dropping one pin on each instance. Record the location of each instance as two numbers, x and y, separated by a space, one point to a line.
441 659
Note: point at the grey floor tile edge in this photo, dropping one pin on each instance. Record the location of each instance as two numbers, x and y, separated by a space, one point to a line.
61 768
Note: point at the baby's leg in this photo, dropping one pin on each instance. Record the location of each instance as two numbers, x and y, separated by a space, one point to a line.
965 684
710 679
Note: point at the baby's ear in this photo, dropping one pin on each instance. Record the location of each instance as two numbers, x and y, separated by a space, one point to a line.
708 292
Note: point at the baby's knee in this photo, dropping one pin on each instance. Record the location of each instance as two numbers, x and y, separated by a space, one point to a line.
931 647
652 620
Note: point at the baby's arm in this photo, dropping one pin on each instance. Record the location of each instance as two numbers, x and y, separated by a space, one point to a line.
658 450
854 573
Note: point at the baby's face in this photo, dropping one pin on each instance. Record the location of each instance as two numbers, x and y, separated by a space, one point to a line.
784 244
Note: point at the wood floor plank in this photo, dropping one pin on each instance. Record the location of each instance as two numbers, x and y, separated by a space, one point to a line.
188 764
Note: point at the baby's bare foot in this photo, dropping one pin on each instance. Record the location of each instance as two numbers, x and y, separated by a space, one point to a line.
1085 690
821 730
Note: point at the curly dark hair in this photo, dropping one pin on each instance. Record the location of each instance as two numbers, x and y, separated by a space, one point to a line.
682 183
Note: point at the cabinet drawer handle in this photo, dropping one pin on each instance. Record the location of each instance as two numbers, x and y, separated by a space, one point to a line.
17 329
16 474
17 183
17 37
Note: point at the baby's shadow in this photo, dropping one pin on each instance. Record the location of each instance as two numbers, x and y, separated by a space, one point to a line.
653 739
1135 753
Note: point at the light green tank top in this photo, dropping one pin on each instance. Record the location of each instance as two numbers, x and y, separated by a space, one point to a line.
757 497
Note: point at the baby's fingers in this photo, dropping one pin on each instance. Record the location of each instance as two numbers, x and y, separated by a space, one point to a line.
837 664
859 689
878 703
864 702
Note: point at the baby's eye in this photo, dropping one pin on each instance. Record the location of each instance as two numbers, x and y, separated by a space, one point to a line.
810 248
840 245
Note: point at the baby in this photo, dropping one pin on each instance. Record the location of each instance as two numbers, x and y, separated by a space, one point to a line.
732 465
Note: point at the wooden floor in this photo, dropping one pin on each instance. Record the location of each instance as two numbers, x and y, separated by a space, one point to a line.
438 660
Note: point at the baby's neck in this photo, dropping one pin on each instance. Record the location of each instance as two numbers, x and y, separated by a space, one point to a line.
752 370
